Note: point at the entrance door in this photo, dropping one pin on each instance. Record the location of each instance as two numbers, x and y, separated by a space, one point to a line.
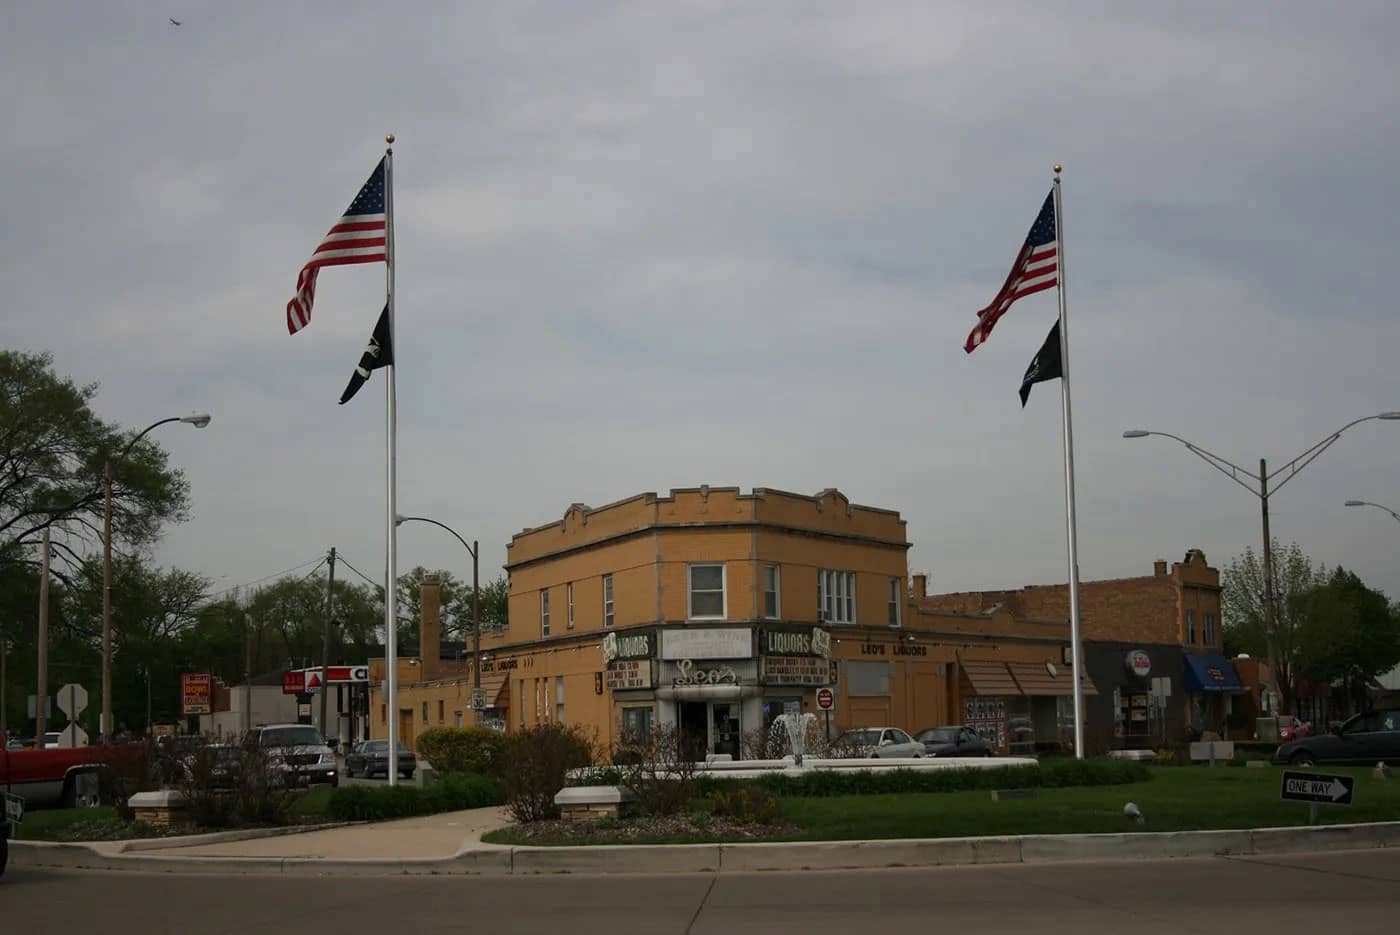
725 735
406 727
693 718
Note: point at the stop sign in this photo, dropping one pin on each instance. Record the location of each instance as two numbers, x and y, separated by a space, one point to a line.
825 699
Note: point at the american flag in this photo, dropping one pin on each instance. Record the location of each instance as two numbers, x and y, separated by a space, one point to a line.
358 237
1037 267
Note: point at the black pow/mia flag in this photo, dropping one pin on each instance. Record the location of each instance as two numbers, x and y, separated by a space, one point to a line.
378 353
1044 366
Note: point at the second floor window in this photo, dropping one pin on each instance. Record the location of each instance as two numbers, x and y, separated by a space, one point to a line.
1208 629
544 612
1191 626
607 601
836 596
896 598
569 594
706 591
771 580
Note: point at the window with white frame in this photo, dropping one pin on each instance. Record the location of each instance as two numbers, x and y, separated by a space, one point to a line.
569 596
836 596
706 588
895 599
608 616
559 699
1191 626
544 612
771 585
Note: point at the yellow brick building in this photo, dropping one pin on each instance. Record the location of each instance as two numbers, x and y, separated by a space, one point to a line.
716 610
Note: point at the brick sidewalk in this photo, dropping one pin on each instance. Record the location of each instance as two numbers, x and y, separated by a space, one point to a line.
431 836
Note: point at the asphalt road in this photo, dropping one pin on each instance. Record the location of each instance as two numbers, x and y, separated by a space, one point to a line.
1355 892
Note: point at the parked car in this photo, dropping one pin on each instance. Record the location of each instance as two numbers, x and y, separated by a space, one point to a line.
298 752
56 776
371 757
879 743
952 741
1292 728
51 739
1364 740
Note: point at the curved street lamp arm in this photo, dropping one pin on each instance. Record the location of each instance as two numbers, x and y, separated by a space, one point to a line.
1394 515
423 519
142 434
1228 468
1308 456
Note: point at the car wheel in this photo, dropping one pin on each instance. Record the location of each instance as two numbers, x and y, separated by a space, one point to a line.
1302 758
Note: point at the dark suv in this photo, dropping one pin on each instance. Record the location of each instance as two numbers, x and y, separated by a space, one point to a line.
1364 740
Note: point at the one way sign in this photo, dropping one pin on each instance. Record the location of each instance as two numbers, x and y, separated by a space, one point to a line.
1317 787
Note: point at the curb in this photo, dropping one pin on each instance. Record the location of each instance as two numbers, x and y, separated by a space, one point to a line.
223 837
485 860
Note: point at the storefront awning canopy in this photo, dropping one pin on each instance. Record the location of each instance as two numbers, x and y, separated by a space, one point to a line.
988 679
1035 679
1211 674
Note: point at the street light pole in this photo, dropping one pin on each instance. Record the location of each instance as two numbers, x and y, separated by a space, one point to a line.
475 551
1261 489
104 727
1394 515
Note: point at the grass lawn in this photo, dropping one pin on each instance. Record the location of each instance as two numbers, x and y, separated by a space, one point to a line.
1176 799
79 824
103 824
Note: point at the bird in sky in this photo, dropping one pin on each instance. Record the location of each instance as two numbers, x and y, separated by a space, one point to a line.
175 22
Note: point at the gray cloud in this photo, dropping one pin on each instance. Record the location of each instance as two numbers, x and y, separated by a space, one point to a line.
645 246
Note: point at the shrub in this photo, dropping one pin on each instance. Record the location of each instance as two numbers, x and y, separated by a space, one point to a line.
1050 774
455 792
463 749
659 767
535 766
745 804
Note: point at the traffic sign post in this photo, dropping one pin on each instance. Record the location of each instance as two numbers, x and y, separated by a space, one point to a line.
1316 789
826 700
72 701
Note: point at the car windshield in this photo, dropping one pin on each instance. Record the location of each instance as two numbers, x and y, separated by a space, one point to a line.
1285 721
940 735
863 738
302 736
382 746
224 754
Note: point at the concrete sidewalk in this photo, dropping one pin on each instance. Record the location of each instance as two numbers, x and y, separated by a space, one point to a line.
432 836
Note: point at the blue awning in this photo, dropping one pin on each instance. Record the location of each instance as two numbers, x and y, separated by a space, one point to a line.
1211 674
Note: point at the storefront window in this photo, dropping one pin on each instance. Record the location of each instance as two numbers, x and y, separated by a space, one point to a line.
636 723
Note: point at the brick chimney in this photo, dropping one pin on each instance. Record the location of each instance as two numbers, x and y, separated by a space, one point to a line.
1159 568
429 626
921 586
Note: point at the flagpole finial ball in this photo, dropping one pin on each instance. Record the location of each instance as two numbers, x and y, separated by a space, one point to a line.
389 138
1058 168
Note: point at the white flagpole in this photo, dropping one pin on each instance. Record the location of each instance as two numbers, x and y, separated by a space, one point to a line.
391 531
1071 526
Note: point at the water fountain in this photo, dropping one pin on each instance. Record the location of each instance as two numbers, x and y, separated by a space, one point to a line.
793 727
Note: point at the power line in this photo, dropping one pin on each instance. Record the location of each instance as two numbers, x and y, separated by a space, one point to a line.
276 574
340 556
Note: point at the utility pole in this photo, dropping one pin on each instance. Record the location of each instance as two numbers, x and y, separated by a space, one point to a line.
104 723
326 646
247 674
41 687
4 683
1270 611
476 630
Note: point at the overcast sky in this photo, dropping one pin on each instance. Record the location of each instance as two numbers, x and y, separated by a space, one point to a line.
656 245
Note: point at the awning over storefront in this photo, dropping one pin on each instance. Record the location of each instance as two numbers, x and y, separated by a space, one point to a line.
496 687
1211 674
990 679
1035 679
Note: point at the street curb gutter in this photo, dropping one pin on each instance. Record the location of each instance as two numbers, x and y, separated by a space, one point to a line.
485 860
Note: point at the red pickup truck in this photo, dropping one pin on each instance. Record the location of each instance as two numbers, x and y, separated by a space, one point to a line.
64 777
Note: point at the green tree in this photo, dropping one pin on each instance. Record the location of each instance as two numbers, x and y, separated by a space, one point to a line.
1351 634
1242 609
52 451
